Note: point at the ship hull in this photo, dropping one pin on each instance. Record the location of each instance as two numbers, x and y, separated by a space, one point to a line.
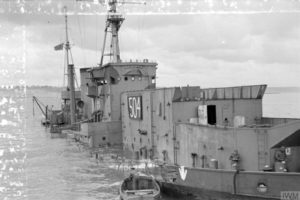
174 190
228 184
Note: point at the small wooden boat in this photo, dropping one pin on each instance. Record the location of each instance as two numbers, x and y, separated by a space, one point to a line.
139 186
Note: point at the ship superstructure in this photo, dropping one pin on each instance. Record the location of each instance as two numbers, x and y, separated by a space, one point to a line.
213 140
208 140
102 86
70 112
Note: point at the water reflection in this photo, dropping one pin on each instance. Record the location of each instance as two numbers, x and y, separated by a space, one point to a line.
33 166
58 169
12 144
64 169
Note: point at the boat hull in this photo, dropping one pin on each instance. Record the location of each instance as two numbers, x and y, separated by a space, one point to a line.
142 197
175 190
208 183
139 187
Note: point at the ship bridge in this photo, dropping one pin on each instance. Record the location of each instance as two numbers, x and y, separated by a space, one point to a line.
239 92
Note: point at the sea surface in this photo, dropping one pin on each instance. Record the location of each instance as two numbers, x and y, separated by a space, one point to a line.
35 166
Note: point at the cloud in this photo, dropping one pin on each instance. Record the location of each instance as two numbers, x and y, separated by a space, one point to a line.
208 50
229 38
222 50
45 66
11 54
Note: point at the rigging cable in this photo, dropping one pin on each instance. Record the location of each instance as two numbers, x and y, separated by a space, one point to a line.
64 58
32 107
64 74
65 70
81 37
72 60
140 31
82 46
97 36
74 72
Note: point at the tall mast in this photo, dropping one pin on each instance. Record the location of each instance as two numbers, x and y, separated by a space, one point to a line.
113 23
70 67
67 46
72 93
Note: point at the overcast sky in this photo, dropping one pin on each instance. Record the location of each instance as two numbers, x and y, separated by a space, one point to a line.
210 49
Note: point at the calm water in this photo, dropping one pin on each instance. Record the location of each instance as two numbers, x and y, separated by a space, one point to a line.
34 166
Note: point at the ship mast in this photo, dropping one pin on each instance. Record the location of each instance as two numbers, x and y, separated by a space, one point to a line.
67 46
70 66
115 20
113 23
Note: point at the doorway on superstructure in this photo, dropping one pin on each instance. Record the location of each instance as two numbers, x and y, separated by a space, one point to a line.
211 114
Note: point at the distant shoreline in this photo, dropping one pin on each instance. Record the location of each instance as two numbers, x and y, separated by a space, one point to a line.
34 87
278 90
270 90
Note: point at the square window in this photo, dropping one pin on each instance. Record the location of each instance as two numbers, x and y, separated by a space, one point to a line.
153 79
